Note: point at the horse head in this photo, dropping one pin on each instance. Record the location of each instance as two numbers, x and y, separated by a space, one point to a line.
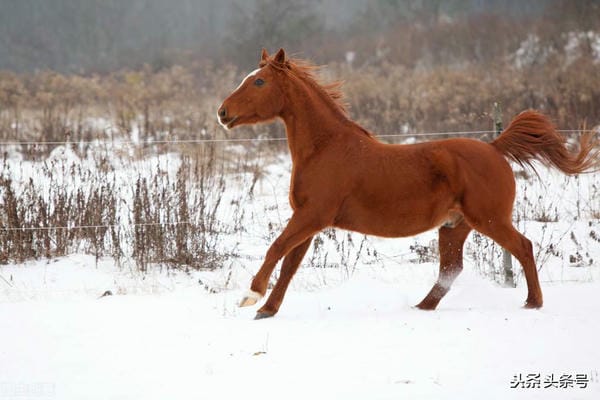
260 96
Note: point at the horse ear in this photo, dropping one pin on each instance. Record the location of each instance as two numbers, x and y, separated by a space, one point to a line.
264 55
280 57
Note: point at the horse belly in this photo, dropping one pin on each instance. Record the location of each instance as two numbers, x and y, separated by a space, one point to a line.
407 218
401 195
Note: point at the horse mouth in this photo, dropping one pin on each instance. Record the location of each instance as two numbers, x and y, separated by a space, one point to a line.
228 122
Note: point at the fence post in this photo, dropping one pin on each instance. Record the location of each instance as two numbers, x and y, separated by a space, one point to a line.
507 270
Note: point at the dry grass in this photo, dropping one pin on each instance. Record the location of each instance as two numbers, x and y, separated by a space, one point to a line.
162 219
174 219
388 98
180 103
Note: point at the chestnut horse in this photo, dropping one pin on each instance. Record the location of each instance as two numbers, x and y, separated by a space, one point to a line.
345 178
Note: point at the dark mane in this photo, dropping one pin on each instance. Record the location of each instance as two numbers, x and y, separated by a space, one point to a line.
305 71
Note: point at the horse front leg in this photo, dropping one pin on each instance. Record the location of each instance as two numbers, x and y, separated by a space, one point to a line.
290 265
303 225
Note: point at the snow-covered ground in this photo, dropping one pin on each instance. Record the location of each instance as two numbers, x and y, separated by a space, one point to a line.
346 330
167 337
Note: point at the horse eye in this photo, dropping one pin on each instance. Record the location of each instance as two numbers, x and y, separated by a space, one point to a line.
259 82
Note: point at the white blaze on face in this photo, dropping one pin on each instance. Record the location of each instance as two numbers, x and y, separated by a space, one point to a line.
250 75
220 123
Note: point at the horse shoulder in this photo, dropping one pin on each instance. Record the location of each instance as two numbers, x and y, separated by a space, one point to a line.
324 178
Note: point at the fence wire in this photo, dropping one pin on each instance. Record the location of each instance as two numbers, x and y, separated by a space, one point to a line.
198 141
107 226
239 140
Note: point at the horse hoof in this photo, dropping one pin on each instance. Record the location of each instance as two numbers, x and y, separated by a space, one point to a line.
420 307
263 315
250 299
532 305
424 306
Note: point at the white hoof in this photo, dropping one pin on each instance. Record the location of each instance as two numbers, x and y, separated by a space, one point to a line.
250 298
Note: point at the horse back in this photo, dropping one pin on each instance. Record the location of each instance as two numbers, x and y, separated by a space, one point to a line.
401 190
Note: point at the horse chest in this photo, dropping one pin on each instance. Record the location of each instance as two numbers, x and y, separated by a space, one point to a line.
296 195
305 184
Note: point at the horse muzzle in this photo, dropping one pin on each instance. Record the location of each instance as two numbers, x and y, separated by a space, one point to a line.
225 119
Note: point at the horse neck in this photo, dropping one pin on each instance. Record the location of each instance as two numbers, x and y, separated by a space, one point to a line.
310 121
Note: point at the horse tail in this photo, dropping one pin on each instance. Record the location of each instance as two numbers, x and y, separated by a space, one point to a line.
532 136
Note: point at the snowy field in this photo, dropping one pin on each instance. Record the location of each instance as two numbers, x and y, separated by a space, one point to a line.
166 337
346 330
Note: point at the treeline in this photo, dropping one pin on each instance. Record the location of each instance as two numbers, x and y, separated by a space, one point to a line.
180 102
75 36
408 65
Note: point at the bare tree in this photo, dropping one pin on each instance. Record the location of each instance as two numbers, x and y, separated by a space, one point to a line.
272 24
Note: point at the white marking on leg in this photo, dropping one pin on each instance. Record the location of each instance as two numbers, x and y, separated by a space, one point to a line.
445 283
250 298
251 294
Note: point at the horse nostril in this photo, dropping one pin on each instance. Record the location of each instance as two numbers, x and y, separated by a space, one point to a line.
222 112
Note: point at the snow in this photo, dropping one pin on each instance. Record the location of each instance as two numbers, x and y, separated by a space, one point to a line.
533 50
355 340
347 328
530 52
576 40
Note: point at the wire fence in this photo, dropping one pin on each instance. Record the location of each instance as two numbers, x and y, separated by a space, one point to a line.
198 141
100 226
241 140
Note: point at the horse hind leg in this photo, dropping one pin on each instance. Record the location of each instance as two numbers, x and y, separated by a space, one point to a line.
520 247
451 240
